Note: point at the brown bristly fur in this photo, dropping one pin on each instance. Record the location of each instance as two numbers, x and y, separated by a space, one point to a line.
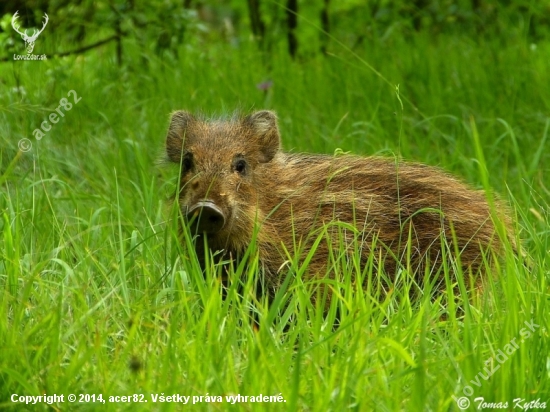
288 198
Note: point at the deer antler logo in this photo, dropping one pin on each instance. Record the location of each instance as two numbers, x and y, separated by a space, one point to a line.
29 40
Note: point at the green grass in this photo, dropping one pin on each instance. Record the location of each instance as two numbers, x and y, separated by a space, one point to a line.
97 297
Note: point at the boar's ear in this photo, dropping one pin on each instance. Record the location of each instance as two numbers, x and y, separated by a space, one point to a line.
265 130
177 133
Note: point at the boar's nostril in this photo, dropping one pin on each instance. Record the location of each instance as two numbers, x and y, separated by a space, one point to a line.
205 216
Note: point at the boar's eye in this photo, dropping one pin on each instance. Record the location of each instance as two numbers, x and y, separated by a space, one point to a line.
187 162
240 166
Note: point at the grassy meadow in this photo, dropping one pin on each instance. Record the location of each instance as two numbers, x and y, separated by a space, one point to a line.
97 296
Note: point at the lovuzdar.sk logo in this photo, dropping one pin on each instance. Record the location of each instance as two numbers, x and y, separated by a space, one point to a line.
29 40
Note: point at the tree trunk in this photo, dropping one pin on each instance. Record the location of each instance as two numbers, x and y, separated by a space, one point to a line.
256 23
292 22
325 25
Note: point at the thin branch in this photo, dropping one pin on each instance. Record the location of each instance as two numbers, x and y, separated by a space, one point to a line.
86 48
76 51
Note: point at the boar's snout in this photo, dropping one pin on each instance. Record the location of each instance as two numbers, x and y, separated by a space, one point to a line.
205 216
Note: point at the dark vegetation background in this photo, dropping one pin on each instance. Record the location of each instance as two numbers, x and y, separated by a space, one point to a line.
406 41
